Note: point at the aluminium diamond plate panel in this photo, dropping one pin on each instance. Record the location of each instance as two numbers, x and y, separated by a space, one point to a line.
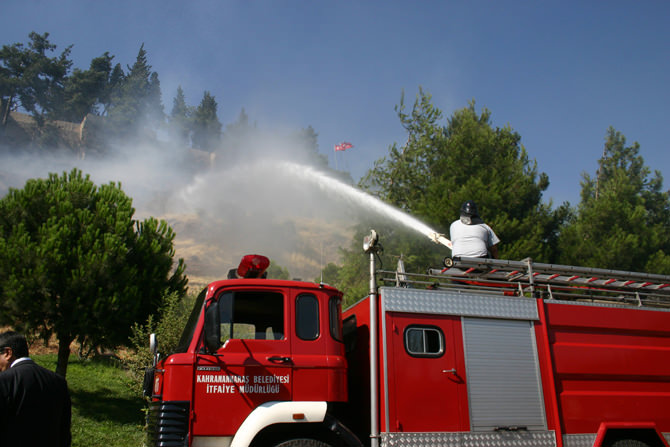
467 439
581 440
446 302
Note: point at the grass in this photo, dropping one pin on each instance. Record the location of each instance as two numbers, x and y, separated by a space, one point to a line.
106 409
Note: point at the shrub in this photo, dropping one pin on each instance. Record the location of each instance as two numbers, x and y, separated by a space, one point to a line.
167 324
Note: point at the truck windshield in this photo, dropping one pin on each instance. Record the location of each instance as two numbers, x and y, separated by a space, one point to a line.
255 315
187 334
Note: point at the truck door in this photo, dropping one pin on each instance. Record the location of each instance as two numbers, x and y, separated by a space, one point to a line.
319 364
426 389
252 366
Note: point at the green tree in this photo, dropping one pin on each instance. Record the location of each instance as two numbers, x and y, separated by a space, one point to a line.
180 120
276 271
329 274
623 219
135 105
29 78
206 124
116 79
154 106
85 90
74 263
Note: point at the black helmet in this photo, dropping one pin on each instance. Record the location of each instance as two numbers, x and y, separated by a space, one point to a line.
469 209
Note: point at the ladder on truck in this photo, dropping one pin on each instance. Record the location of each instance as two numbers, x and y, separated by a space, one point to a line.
549 281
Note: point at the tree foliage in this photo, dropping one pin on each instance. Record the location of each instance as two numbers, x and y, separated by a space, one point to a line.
180 119
74 263
131 106
623 219
206 124
86 90
276 271
135 103
167 323
31 79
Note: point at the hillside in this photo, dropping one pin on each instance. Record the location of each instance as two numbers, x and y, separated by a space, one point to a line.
312 244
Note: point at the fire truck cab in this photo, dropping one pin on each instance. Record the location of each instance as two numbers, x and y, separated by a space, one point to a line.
258 359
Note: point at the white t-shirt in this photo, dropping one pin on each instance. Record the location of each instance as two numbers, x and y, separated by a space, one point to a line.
471 241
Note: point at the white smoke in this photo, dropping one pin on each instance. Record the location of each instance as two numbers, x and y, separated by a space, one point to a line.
221 207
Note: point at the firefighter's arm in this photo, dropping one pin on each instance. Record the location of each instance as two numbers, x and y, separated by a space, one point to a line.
494 251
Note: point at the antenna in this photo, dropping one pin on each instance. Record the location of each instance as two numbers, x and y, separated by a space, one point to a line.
321 262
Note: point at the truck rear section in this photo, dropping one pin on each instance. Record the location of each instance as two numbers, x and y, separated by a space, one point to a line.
468 357
456 370
611 371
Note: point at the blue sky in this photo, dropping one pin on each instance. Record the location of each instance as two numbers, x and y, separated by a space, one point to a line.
558 72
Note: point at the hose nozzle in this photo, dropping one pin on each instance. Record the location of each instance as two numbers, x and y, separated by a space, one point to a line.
440 239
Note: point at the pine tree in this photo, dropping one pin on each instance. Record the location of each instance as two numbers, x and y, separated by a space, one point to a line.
116 78
74 262
623 219
180 120
206 124
153 108
135 105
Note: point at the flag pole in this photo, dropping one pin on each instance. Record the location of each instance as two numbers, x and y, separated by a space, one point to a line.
335 157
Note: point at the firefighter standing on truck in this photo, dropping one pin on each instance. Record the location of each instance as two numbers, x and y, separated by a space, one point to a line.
471 237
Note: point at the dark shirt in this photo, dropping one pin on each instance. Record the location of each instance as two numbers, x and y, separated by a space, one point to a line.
35 407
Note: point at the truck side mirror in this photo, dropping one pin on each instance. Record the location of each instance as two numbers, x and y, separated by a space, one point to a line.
153 347
212 327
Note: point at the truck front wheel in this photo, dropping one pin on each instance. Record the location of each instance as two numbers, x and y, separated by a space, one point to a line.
305 442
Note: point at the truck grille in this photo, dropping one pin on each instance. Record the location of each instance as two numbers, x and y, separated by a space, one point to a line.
167 424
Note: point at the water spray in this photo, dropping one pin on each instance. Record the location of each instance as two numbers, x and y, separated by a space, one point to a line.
250 200
348 192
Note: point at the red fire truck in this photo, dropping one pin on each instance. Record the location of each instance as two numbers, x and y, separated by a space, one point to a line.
481 353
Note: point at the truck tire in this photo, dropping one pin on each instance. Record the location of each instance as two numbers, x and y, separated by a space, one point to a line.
303 442
629 443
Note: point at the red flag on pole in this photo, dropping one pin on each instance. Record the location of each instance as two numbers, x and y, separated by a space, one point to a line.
343 146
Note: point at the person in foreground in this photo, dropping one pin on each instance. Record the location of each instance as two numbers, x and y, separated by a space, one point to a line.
35 406
471 237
